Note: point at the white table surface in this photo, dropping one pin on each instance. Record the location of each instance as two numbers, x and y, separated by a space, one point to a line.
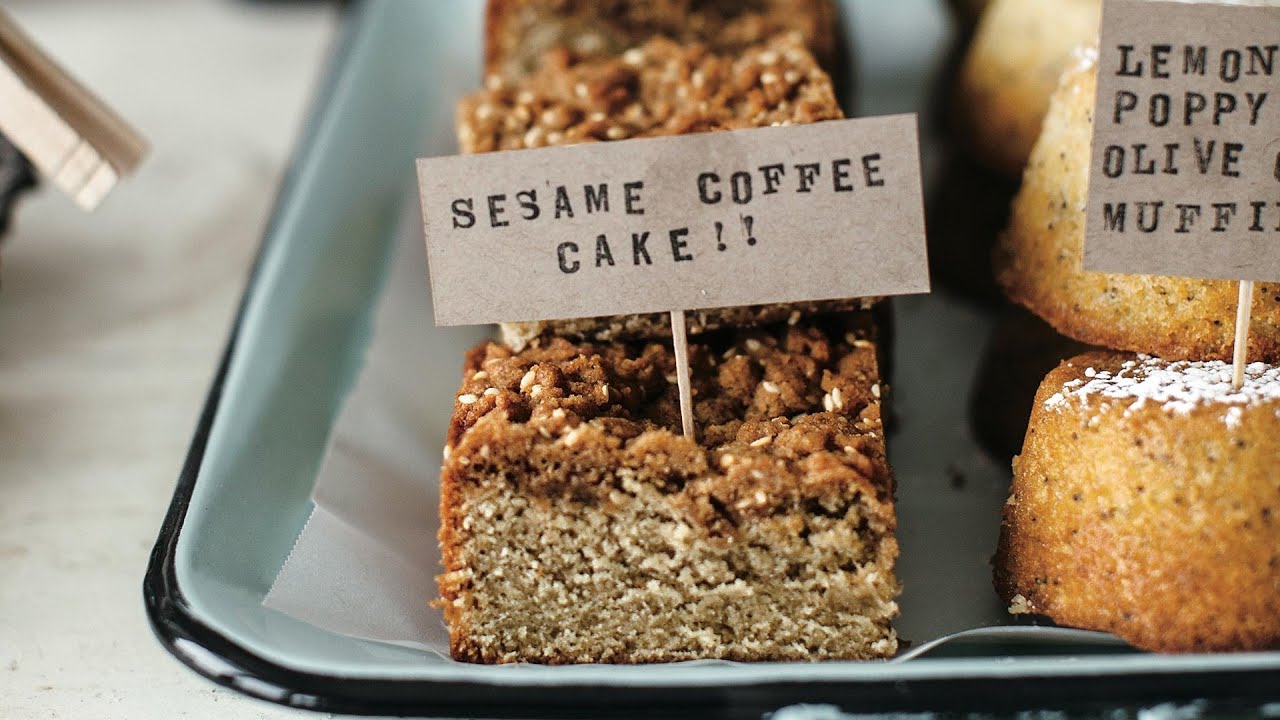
110 328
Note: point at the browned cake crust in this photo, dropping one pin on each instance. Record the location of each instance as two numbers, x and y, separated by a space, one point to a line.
1038 259
519 32
661 88
579 526
1019 49
658 325
1149 506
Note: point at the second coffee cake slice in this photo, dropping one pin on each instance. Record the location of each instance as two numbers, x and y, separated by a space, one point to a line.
659 89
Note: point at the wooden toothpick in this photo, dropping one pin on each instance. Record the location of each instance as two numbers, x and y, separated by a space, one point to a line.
1244 309
680 343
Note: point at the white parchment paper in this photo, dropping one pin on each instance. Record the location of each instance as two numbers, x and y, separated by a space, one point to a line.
365 563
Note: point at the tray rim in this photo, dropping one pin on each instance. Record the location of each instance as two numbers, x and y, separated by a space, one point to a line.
197 644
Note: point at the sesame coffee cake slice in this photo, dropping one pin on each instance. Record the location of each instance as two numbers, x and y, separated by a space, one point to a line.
579 526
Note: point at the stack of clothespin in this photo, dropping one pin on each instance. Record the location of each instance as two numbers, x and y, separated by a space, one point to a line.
51 124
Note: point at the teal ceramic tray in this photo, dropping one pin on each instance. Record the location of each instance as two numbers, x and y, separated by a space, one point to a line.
243 495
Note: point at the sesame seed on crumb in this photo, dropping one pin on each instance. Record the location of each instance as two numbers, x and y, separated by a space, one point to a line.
467 399
558 413
634 56
770 387
480 375
753 344
604 392
490 392
526 382
875 390
759 442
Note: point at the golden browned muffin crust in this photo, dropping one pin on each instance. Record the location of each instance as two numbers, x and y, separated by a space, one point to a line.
579 526
519 32
1019 50
1038 259
1146 503
662 88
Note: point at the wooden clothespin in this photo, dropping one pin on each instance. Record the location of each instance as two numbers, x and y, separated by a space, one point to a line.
68 134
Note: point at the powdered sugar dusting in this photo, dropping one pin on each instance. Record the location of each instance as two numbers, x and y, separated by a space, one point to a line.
1177 387
1085 57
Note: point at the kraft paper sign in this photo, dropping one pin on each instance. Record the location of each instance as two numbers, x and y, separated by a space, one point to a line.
1185 167
786 214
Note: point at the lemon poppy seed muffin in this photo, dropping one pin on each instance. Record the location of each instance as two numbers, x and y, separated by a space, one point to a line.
1019 49
1146 503
1038 258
